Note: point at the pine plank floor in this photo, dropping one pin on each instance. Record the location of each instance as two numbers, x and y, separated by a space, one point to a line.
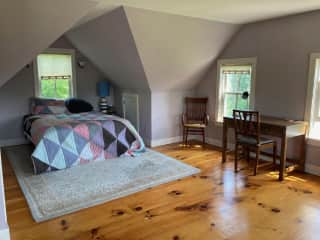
215 204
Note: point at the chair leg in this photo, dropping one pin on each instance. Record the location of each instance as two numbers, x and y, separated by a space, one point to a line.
236 158
187 132
274 156
248 154
256 162
184 135
203 138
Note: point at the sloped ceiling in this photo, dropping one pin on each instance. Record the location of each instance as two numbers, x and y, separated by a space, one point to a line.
159 45
231 11
29 26
108 42
143 49
176 51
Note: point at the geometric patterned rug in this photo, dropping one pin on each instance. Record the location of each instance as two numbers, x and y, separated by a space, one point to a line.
57 193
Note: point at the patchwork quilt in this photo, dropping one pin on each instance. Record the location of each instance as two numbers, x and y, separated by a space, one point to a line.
65 140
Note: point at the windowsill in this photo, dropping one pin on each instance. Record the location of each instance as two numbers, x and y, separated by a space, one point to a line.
218 124
313 142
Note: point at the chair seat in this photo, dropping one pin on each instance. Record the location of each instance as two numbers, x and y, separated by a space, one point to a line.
253 141
194 125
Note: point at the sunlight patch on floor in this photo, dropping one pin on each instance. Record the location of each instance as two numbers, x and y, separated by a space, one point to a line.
275 175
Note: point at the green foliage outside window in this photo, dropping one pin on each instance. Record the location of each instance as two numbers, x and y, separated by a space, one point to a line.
55 88
235 85
55 75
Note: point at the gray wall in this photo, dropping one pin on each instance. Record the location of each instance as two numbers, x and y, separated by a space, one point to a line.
144 110
107 41
167 108
282 47
15 94
29 26
160 113
159 56
176 51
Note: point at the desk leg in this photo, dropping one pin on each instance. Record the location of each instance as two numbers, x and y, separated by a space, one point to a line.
302 160
224 142
283 156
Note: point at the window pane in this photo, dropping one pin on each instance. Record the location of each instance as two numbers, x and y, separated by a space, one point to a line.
55 75
229 104
315 130
242 104
62 88
47 88
245 80
54 64
317 99
232 82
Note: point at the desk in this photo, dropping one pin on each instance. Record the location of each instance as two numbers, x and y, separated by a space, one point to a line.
275 127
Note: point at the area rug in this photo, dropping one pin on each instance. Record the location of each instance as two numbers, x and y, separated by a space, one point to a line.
54 194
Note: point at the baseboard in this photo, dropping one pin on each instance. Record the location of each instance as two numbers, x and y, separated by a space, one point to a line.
5 234
12 142
164 141
312 169
212 141
147 142
313 142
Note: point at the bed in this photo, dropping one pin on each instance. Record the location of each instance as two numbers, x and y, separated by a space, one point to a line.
63 140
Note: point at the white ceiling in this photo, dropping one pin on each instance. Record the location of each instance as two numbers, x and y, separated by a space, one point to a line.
230 11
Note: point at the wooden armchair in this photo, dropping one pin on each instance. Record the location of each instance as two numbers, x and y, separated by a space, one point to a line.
247 136
195 118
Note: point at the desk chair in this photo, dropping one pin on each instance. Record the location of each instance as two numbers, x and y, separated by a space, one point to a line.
247 136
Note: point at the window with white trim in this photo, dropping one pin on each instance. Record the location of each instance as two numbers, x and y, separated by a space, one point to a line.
313 97
54 74
236 85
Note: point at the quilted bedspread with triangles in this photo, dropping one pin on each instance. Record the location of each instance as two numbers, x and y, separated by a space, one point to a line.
65 140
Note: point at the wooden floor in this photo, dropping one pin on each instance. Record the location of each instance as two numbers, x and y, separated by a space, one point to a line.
215 204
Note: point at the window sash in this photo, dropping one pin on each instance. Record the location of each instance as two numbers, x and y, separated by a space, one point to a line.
237 95
317 102
55 77
55 87
241 65
70 75
236 92
312 111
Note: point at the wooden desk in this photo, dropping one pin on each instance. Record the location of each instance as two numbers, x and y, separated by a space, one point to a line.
275 127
